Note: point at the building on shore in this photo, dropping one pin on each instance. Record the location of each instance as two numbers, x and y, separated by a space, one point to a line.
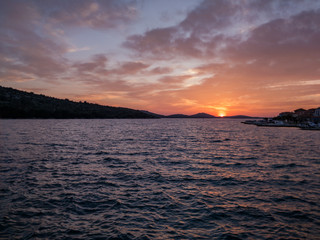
300 116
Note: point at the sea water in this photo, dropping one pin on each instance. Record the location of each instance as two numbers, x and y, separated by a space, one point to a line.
157 179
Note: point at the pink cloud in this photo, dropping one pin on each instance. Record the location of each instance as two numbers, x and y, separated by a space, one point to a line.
161 70
174 80
98 62
127 68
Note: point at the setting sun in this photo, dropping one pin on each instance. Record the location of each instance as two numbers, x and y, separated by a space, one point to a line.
222 114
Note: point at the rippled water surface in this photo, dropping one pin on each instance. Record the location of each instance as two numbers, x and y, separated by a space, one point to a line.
157 179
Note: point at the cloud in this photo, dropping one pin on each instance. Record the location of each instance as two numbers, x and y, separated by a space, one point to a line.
279 50
293 84
174 79
96 14
32 36
211 16
127 68
25 49
97 62
156 42
212 27
75 49
160 70
280 37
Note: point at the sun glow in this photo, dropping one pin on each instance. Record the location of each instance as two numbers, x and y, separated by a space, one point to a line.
222 114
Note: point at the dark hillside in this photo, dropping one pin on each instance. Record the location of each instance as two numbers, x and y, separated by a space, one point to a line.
202 115
177 116
20 104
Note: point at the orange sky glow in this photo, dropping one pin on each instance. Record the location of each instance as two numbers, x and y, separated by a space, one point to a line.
222 57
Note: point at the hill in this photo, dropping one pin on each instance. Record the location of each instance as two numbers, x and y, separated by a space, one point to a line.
202 115
153 114
240 116
177 116
19 104
198 115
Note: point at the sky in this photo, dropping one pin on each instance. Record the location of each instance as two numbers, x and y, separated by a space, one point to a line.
222 57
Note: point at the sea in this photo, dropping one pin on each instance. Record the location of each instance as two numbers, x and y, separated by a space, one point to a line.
157 179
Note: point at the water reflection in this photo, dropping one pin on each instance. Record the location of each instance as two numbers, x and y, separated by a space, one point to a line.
156 179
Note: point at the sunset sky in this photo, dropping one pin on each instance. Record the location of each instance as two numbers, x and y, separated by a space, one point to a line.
221 57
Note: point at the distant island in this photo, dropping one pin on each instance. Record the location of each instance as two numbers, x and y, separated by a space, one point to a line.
20 104
240 117
198 115
205 115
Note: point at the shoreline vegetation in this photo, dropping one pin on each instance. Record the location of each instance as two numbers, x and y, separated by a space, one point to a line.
16 104
299 118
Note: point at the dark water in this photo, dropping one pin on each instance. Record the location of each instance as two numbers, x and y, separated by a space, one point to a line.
158 179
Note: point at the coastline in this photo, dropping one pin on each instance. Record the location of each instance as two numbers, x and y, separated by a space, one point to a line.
268 123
